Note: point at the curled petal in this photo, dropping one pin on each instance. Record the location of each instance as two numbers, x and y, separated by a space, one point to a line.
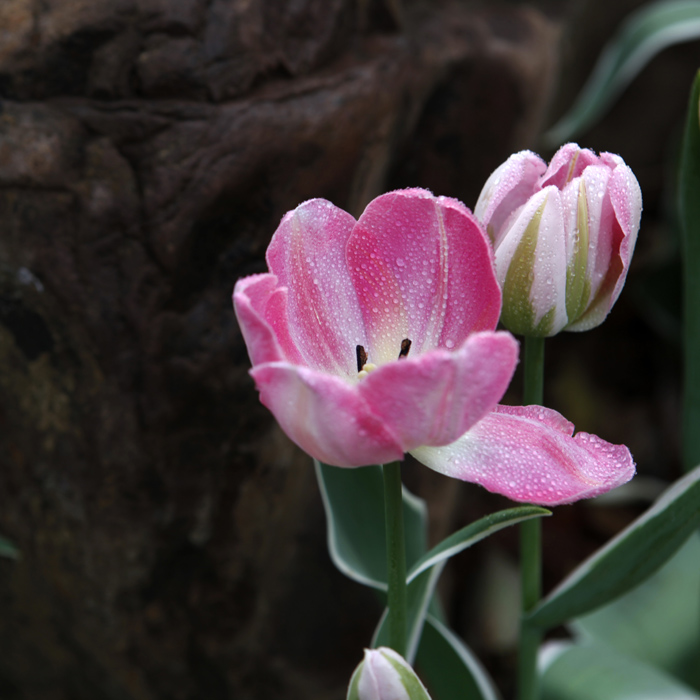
435 398
596 180
251 296
307 253
507 189
422 268
534 295
626 198
588 221
623 201
325 416
529 454
567 163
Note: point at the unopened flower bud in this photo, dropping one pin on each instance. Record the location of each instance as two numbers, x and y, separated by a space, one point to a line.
385 675
563 237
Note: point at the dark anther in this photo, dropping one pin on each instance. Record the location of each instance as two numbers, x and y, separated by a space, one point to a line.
361 357
405 347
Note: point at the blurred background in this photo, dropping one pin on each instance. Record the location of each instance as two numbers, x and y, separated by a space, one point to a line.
171 539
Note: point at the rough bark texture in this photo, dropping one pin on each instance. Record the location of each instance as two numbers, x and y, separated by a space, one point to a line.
171 538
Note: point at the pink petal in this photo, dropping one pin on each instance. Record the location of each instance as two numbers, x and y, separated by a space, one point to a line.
422 269
307 253
624 201
528 454
276 315
325 416
600 222
250 298
433 399
626 198
542 285
507 189
567 163
587 272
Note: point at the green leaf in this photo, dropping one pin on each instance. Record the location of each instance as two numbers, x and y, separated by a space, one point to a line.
7 549
473 533
658 622
354 503
419 594
596 672
689 215
643 35
628 559
423 575
448 667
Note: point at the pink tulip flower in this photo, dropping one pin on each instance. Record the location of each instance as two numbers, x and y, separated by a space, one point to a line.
373 338
563 237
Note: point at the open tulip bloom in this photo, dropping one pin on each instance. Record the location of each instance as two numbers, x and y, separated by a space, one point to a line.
563 235
373 338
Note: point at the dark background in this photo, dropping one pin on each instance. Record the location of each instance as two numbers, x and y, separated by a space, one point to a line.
172 539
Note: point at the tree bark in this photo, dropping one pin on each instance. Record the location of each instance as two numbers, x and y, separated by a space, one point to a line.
171 539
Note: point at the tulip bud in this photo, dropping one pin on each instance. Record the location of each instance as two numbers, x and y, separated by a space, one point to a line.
385 675
563 237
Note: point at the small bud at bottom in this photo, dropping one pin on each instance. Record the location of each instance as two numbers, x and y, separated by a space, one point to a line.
385 675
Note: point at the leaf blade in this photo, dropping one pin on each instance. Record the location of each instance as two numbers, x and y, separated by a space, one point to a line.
420 593
353 500
473 533
645 33
657 623
628 559
689 215
423 576
585 671
449 668
8 549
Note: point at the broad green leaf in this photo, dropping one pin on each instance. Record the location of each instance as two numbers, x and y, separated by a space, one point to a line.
7 549
628 559
473 533
424 574
596 672
448 668
354 503
419 594
689 215
643 35
658 622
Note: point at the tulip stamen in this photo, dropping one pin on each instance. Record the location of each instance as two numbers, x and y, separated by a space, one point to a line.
363 367
361 354
405 347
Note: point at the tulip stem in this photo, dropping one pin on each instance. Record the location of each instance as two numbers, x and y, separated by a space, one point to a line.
530 542
395 556
689 210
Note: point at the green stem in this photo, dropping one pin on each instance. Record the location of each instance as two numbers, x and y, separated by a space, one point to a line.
395 556
531 542
689 210
531 590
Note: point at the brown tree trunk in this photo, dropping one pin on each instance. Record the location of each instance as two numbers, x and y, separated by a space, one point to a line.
171 538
